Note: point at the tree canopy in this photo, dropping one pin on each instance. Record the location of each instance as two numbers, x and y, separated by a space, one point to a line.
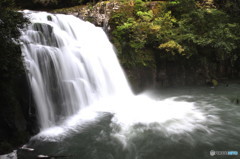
181 27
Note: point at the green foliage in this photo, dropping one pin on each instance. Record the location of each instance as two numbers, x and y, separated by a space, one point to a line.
130 31
141 28
139 5
145 16
172 46
182 28
182 6
204 27
209 28
230 6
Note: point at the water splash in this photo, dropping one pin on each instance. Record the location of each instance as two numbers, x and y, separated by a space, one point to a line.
70 64
75 77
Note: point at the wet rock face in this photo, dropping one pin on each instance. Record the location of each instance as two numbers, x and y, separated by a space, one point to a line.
101 13
141 78
18 120
98 14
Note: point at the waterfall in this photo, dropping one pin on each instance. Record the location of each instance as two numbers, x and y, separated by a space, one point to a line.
86 108
75 77
70 65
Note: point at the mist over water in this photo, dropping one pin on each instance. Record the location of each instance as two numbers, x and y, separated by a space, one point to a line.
87 110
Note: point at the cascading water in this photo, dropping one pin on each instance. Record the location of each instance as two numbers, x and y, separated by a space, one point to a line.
87 110
70 64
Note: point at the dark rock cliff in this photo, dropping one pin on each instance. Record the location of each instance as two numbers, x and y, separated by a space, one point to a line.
18 121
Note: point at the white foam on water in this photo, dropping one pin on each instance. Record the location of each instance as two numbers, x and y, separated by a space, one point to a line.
75 75
136 114
12 155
